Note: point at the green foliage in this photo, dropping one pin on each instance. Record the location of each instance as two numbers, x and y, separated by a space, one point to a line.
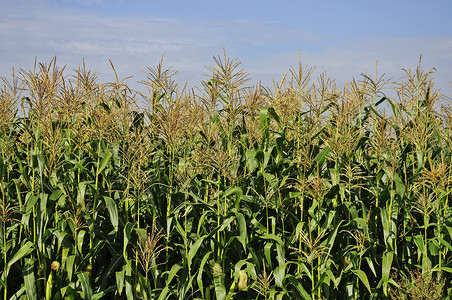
304 192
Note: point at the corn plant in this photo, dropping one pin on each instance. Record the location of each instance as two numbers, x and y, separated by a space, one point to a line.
305 190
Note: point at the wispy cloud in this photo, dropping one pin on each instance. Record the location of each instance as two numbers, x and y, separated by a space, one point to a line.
345 61
267 49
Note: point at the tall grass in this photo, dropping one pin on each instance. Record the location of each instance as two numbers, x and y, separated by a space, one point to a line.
305 190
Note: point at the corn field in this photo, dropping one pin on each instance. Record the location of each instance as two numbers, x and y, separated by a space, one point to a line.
228 191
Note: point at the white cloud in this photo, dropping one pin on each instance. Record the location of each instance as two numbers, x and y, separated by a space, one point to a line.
347 60
266 49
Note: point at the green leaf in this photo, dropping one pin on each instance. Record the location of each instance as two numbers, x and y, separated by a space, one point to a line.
446 269
271 236
386 269
23 251
49 285
129 280
320 159
80 238
263 118
193 250
331 277
226 223
419 241
41 164
30 201
128 229
445 243
250 158
86 286
280 254
201 270
370 263
279 274
389 229
267 252
93 252
174 269
363 277
104 162
400 186
243 238
29 279
332 236
233 190
56 195
120 280
238 194
18 294
101 294
112 211
115 264
164 293
81 191
301 291
70 266
274 115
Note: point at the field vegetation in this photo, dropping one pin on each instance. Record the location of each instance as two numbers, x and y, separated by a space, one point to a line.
305 190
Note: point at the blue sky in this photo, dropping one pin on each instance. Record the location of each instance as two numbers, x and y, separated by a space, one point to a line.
343 38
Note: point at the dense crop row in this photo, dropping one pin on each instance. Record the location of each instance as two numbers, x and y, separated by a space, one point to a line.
305 191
